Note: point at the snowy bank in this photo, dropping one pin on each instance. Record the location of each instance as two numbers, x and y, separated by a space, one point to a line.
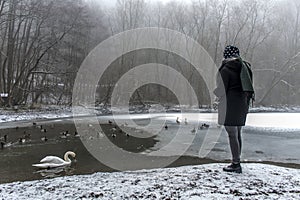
49 112
53 111
258 181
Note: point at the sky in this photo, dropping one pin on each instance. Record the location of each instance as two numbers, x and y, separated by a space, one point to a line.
112 2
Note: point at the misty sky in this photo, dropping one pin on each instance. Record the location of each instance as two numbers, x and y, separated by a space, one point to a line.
112 2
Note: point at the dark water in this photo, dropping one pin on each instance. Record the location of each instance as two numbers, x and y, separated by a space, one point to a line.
16 160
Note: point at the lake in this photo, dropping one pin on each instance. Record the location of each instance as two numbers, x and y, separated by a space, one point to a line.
267 137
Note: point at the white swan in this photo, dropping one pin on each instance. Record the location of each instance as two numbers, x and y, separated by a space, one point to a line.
54 161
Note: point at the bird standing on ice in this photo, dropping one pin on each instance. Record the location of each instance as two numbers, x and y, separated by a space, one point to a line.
194 130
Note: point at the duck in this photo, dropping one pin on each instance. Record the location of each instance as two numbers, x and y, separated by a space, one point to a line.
4 138
166 127
76 134
7 144
27 136
65 134
110 122
63 137
22 140
54 161
194 130
177 120
45 139
4 143
204 126
43 130
114 135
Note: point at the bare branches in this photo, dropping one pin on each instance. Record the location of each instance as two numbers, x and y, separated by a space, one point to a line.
43 42
35 38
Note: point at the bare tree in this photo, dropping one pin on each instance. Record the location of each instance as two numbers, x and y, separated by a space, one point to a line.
41 40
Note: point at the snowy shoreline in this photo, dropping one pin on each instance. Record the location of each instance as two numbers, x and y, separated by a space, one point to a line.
258 181
34 114
52 112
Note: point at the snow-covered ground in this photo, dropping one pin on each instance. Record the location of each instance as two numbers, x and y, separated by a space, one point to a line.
258 181
49 112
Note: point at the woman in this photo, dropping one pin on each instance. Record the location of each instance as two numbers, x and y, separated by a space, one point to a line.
234 91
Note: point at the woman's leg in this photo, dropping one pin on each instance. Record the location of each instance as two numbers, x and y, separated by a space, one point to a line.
234 142
240 138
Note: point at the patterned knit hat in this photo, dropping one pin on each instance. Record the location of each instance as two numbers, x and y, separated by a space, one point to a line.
231 51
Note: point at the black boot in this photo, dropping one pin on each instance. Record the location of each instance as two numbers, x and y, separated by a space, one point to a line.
233 168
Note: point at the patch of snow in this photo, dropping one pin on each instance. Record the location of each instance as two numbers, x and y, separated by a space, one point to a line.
258 181
48 112
282 108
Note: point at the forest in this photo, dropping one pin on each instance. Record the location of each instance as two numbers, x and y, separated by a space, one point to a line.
44 42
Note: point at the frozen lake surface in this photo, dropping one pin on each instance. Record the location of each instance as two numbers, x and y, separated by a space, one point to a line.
267 120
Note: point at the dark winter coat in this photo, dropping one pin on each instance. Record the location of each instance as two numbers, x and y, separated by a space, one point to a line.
233 101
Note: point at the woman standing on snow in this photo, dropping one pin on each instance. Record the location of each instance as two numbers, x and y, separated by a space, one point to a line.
234 91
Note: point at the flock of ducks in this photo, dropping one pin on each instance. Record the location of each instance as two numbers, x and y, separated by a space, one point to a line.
65 134
201 127
116 130
26 137
166 127
54 161
49 161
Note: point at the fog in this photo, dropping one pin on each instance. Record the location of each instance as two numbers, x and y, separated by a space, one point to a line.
44 43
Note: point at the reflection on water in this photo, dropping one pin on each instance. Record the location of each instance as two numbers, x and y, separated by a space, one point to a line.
55 172
16 161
